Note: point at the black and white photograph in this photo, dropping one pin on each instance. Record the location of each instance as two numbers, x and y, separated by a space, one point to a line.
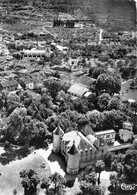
68 97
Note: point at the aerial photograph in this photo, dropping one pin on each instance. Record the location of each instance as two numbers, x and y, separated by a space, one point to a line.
68 97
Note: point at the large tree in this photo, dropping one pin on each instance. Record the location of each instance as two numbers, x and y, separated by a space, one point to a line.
96 119
53 87
88 188
99 167
114 181
89 176
109 83
97 71
113 119
103 101
58 182
114 103
46 182
30 180
87 180
14 127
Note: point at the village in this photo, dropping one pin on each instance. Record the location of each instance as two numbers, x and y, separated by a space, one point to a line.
68 105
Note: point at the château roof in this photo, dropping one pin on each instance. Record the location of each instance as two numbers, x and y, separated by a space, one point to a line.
91 138
58 131
73 149
81 142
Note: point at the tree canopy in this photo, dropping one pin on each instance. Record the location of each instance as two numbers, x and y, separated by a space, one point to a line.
109 83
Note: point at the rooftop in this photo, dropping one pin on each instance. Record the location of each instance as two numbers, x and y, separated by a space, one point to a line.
7 83
85 80
78 90
58 131
80 140
105 132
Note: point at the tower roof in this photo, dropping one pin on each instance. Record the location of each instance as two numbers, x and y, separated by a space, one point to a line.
58 131
73 149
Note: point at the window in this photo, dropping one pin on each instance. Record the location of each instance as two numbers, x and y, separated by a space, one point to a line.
108 136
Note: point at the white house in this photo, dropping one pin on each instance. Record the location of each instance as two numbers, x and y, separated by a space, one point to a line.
46 52
125 135
107 135
128 125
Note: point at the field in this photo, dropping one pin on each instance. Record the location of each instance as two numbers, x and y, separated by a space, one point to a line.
10 180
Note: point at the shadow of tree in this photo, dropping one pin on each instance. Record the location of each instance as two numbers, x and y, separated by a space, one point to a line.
14 154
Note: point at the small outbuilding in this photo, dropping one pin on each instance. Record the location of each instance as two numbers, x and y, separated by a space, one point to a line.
77 90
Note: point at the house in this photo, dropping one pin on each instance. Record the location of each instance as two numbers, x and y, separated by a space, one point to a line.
77 90
34 53
33 94
126 135
27 80
87 81
107 135
78 150
128 125
9 85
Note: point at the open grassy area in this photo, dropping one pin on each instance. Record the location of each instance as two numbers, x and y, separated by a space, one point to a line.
128 93
10 180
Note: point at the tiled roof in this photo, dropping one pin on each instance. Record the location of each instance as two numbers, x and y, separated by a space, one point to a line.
8 83
85 80
78 90
81 142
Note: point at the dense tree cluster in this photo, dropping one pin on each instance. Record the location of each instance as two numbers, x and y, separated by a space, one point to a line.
124 166
109 83
30 181
53 106
95 72
88 179
53 184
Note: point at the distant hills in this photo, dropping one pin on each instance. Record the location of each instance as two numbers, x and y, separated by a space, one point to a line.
115 14
112 14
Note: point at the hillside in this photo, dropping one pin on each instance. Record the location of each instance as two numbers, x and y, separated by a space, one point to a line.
117 14
112 14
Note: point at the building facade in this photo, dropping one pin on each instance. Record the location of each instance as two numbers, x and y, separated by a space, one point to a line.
108 135
9 85
36 53
78 150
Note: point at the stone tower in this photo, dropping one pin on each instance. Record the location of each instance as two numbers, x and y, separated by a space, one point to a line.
57 135
73 159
